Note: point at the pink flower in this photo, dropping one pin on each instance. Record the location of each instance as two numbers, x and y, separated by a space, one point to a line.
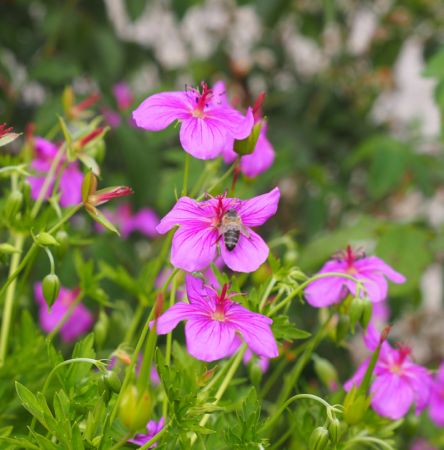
398 382
206 121
79 322
213 322
436 405
422 444
370 270
70 176
123 95
144 221
152 429
262 157
201 231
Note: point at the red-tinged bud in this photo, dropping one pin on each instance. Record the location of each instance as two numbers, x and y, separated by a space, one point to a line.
4 129
203 379
85 104
123 357
246 146
158 306
6 136
91 136
104 195
29 131
257 107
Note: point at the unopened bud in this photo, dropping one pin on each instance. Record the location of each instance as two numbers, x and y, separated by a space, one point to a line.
367 311
246 146
334 430
326 372
319 439
355 311
355 406
342 328
13 204
135 408
45 239
50 288
101 328
8 249
112 381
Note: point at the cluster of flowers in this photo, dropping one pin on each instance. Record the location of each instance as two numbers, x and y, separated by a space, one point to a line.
222 227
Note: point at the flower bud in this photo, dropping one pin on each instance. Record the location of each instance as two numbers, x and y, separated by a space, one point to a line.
326 372
366 312
50 288
355 311
319 439
355 406
101 329
246 146
135 408
63 239
342 328
8 249
112 381
334 430
45 239
13 204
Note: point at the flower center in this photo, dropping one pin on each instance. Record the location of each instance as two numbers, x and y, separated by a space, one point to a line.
350 256
402 354
202 99
219 313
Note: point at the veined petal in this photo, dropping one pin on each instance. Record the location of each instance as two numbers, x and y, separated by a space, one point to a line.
391 396
228 153
421 383
257 210
198 293
71 186
249 253
193 248
255 329
172 316
375 264
209 339
202 137
232 121
160 110
185 212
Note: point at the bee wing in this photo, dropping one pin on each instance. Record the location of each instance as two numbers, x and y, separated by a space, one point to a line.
245 231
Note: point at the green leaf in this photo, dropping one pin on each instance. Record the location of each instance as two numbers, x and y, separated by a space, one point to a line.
83 349
30 402
284 329
435 65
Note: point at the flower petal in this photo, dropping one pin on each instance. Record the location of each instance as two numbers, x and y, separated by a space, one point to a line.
232 121
194 248
255 329
202 137
80 321
257 210
421 383
172 316
260 160
375 264
198 293
249 253
391 396
356 379
186 211
160 110
209 339
145 221
71 186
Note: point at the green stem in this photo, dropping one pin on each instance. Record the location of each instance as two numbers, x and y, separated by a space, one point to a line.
185 174
154 439
224 385
267 293
51 260
329 408
218 181
368 440
302 286
121 443
169 342
9 300
295 373
134 323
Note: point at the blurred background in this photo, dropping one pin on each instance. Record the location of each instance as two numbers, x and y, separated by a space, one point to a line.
355 93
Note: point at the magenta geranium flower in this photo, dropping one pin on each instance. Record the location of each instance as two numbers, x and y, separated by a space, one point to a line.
436 406
144 221
207 122
70 176
152 429
79 322
370 270
202 231
123 95
262 361
398 381
214 323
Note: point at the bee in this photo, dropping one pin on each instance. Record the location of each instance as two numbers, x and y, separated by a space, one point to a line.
231 229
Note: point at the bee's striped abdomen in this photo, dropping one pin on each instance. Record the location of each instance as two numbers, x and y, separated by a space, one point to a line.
231 237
